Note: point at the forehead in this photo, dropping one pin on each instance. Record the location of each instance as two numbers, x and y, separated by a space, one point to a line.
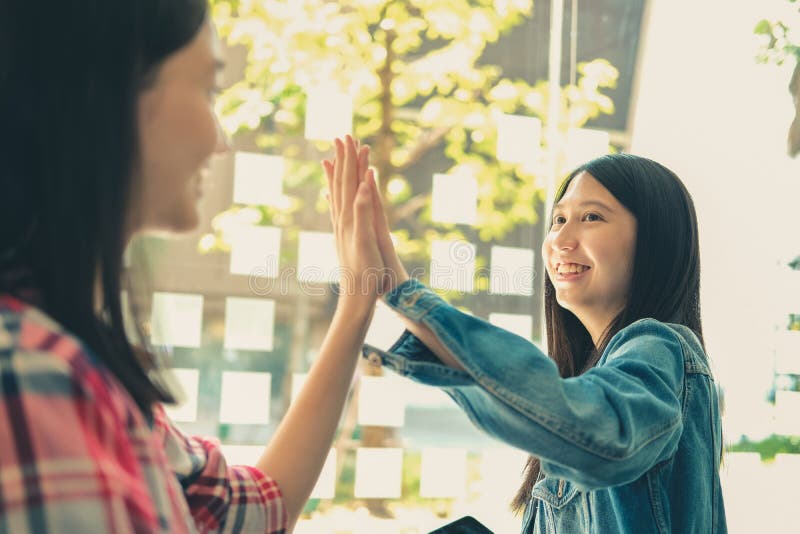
585 187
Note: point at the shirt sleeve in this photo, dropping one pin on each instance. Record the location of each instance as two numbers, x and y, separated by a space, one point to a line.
67 463
605 427
221 497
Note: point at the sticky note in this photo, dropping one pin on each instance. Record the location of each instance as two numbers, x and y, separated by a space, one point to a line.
380 402
329 113
326 483
584 144
443 473
317 259
245 398
258 179
511 271
518 138
189 382
255 251
386 327
452 265
379 473
249 323
176 319
455 198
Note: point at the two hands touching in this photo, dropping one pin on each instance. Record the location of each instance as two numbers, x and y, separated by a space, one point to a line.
368 261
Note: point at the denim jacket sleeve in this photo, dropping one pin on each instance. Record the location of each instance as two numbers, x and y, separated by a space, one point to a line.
603 428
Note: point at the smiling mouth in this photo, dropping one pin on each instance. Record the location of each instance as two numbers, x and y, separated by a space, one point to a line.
565 269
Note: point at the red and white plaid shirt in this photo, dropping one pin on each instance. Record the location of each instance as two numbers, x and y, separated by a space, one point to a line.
77 455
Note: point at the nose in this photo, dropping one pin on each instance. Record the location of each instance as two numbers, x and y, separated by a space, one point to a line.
564 238
223 142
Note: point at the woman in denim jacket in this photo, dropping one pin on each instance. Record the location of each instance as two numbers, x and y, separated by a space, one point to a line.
621 416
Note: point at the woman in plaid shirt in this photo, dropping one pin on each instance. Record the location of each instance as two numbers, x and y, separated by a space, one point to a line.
106 129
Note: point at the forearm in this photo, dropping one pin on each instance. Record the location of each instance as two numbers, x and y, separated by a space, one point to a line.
297 451
426 335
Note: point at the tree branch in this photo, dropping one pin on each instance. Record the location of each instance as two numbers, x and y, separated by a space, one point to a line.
428 141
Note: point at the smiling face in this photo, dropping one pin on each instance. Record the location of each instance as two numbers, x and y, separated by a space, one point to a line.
589 252
178 133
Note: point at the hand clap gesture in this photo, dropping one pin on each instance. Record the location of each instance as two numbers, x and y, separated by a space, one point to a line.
352 189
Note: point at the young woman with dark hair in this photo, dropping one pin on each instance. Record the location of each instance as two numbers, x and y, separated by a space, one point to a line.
107 127
621 416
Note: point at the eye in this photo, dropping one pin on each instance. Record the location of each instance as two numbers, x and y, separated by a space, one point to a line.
592 217
559 219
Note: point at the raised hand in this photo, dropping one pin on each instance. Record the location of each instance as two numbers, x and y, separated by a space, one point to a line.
352 190
394 273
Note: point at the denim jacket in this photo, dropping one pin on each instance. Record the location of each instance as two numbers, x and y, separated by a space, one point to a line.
630 446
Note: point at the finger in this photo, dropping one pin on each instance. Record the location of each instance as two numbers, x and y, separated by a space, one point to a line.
337 174
349 179
379 216
364 214
327 166
363 162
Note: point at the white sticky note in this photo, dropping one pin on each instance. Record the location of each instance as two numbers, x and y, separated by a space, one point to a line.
452 265
242 454
787 413
443 473
787 291
298 381
584 144
517 323
176 319
386 327
255 250
189 382
381 402
249 323
329 113
326 483
245 398
258 179
455 198
518 138
379 473
511 271
787 352
317 261
501 468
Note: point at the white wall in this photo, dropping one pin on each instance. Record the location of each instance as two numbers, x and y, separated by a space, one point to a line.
709 112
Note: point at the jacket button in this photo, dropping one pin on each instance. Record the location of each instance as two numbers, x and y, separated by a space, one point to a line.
374 359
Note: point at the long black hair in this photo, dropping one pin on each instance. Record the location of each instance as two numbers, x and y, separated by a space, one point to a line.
666 269
70 78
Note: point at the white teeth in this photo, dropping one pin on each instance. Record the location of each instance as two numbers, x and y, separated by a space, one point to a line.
571 268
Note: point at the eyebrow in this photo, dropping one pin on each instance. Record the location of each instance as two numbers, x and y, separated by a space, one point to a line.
595 203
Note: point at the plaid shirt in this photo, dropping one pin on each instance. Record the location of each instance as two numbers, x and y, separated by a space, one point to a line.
77 455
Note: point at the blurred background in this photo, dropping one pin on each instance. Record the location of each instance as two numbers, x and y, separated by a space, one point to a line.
475 110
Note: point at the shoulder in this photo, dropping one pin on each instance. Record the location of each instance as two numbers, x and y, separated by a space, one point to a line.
39 358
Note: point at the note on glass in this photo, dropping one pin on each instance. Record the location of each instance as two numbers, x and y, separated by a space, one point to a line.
258 179
176 319
326 483
245 398
443 473
329 113
249 323
787 408
242 454
511 271
455 198
501 468
386 327
381 402
786 296
787 353
584 144
298 381
452 265
316 258
379 473
517 323
255 250
518 138
189 383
